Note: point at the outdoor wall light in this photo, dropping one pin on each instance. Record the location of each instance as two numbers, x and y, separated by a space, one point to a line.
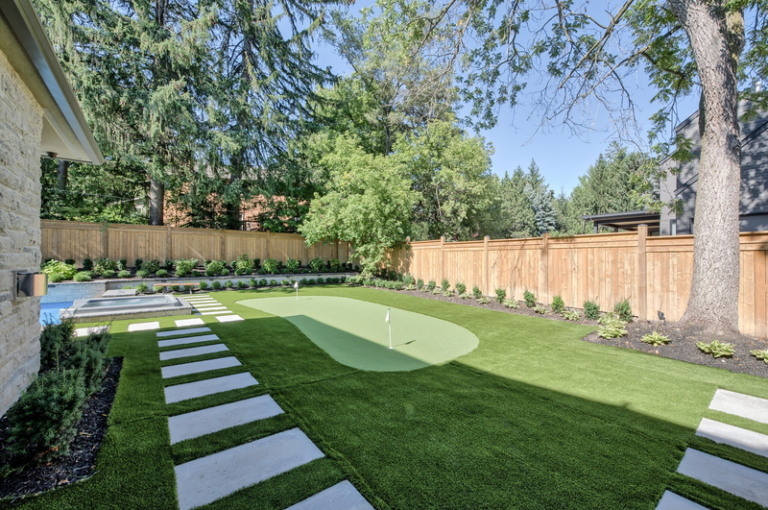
662 318
31 284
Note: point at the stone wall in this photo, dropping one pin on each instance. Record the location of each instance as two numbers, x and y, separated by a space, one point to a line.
21 124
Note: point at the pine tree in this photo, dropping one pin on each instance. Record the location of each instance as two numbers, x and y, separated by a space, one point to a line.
542 203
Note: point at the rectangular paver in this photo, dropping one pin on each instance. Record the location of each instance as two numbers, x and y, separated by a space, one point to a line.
209 308
214 419
196 389
144 326
746 406
671 501
199 367
192 351
735 478
215 313
203 301
735 436
180 332
229 318
342 496
88 331
189 322
207 479
188 340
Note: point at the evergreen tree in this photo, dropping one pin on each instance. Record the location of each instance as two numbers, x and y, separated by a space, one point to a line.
517 218
542 203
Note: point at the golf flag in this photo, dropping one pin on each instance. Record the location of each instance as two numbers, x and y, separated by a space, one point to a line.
390 328
296 285
387 319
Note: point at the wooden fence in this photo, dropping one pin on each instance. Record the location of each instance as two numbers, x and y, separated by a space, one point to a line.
653 273
66 239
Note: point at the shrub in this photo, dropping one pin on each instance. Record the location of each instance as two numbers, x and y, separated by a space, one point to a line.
184 266
270 266
436 291
70 262
141 288
311 281
168 265
244 264
86 357
54 341
257 263
108 273
623 310
483 300
141 273
761 355
87 264
476 293
511 303
152 266
303 282
611 326
320 280
292 265
316 264
253 283
214 267
216 285
83 276
101 265
408 280
398 286
241 284
273 283
158 288
203 285
655 338
336 265
591 310
63 270
558 305
224 272
228 284
529 298
539 309
445 285
285 282
461 288
431 285
161 273
716 348
262 283
175 288
420 284
55 278
501 295
571 315
137 263
42 422
124 274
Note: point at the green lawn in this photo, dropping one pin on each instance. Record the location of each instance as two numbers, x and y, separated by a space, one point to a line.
533 418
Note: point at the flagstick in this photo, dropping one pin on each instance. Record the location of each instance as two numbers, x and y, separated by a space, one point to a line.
389 322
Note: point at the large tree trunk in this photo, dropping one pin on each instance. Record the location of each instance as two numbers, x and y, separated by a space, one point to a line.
62 175
156 201
717 39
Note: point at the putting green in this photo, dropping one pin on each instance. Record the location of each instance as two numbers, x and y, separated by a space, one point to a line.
355 333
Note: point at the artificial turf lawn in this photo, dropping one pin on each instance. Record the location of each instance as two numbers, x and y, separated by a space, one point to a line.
533 418
355 334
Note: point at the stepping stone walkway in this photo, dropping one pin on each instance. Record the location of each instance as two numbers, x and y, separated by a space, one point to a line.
188 340
193 351
189 322
737 479
215 313
342 496
229 318
144 326
89 331
178 332
199 366
214 419
205 387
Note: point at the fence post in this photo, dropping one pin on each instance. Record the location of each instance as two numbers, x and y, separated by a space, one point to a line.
105 240
642 275
222 246
544 268
168 243
442 258
486 268
267 255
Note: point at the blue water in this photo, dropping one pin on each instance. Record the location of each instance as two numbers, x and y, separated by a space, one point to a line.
49 312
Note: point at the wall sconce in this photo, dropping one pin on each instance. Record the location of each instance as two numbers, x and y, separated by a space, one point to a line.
31 284
662 318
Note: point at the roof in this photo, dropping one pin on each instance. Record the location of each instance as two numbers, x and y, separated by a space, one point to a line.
25 44
625 220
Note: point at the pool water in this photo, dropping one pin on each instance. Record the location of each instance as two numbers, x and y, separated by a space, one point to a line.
143 301
49 312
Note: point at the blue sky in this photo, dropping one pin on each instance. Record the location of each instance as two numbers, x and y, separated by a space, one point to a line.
561 156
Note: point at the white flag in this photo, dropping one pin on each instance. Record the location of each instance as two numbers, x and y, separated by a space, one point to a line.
296 285
387 319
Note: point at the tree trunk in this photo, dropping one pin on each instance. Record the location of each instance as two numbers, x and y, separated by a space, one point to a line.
717 39
156 201
62 174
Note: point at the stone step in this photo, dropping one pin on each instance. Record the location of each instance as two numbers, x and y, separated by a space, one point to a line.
208 308
188 340
671 501
734 436
737 479
192 351
88 331
746 406
215 313
229 318
189 322
179 332
200 301
214 419
205 480
143 326
196 389
197 367
342 496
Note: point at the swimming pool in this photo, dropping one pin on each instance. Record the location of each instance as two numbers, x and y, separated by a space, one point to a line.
133 307
49 312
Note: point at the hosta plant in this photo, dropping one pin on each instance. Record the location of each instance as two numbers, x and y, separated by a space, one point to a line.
483 300
716 348
571 315
539 309
611 327
511 303
656 338
762 355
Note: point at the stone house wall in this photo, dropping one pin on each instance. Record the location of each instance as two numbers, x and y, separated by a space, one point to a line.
21 124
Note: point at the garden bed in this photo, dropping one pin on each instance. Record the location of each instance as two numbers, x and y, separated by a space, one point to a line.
80 463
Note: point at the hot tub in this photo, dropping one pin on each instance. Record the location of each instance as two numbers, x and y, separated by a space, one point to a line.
131 307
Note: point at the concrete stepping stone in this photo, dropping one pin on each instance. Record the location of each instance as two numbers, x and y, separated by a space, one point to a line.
144 326
188 340
735 478
215 313
209 308
179 332
202 300
196 389
671 501
734 436
89 331
205 480
746 406
214 419
189 322
229 318
193 351
342 496
199 366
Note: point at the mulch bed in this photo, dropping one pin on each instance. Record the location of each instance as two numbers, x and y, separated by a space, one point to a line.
80 462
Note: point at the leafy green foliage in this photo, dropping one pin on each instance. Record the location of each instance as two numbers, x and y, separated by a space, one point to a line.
62 270
623 310
151 266
571 315
228 284
142 274
716 348
271 266
761 355
445 285
611 326
124 274
142 288
292 265
476 292
501 295
591 310
216 285
108 273
316 264
511 303
656 338
460 288
529 298
242 284
243 264
431 285
161 273
55 340
184 266
214 268
540 309
483 300
87 264
83 276
558 305
420 284
103 264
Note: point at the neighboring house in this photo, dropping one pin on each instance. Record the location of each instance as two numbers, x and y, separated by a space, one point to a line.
39 116
753 207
